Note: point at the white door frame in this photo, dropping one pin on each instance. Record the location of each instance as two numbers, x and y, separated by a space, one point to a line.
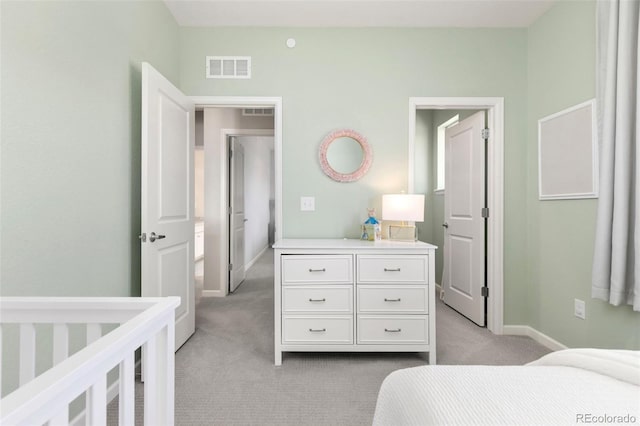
239 102
495 189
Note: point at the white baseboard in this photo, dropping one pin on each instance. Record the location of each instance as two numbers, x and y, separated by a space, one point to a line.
212 293
255 259
525 330
220 293
439 291
112 392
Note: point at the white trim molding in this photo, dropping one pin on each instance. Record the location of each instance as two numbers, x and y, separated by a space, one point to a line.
543 339
255 259
213 293
495 189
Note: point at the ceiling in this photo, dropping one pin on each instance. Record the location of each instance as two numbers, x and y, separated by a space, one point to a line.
358 13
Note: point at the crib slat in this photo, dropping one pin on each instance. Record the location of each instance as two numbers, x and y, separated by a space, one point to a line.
150 390
127 396
159 378
96 411
27 353
94 332
60 343
168 372
94 396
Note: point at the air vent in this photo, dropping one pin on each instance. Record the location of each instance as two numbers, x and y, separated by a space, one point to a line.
228 67
258 112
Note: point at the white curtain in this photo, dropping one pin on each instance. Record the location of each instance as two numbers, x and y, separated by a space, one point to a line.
616 266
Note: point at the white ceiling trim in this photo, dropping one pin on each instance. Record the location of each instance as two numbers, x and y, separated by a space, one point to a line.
358 13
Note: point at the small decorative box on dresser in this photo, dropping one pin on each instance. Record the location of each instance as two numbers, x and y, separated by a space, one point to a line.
354 296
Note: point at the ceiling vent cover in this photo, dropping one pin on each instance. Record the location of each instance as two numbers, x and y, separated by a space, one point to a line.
228 66
258 112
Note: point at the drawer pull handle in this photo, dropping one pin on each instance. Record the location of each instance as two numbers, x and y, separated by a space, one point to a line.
317 270
318 330
395 330
392 269
318 300
391 300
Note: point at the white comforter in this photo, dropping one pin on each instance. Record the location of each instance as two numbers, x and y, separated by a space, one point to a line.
574 386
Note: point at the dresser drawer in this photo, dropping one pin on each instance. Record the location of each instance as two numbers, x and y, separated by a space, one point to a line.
317 269
323 299
398 269
392 299
325 329
393 329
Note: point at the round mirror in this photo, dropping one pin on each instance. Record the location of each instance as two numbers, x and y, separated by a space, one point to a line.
345 155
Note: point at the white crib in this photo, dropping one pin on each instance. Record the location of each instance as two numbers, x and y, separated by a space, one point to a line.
45 398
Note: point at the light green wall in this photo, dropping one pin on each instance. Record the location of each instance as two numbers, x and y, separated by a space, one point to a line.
71 150
362 79
71 142
561 73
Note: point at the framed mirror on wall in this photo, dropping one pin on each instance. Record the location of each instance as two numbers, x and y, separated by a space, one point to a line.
345 155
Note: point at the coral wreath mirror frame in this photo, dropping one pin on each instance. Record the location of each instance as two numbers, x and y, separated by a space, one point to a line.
367 158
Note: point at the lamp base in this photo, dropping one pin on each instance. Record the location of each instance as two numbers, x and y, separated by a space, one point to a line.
403 233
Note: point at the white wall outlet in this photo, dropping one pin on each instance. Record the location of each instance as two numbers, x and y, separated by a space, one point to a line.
307 204
579 309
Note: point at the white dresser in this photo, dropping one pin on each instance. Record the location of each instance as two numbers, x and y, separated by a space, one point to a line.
354 296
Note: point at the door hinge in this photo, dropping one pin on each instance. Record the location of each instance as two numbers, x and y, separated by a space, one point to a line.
229 210
485 292
230 267
485 212
485 134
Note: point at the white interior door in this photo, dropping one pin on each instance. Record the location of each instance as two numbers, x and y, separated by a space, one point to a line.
168 197
236 217
464 247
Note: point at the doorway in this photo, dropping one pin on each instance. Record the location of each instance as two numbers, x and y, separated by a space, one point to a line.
494 108
464 222
251 195
221 111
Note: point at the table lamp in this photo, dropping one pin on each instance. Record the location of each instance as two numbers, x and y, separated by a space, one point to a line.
404 208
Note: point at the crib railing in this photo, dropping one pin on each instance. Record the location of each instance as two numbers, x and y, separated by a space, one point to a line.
45 399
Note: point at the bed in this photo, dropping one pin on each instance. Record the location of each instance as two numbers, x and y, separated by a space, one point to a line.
572 386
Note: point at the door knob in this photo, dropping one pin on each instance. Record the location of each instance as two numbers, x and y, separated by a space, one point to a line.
155 236
446 225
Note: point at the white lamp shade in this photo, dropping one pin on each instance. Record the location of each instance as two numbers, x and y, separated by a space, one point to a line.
404 207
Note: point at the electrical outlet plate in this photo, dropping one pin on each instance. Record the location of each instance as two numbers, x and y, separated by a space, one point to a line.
579 309
307 204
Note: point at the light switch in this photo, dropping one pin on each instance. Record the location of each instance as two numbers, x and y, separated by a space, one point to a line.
307 204
579 309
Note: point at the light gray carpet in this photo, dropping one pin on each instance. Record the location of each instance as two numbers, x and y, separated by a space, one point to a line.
225 373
